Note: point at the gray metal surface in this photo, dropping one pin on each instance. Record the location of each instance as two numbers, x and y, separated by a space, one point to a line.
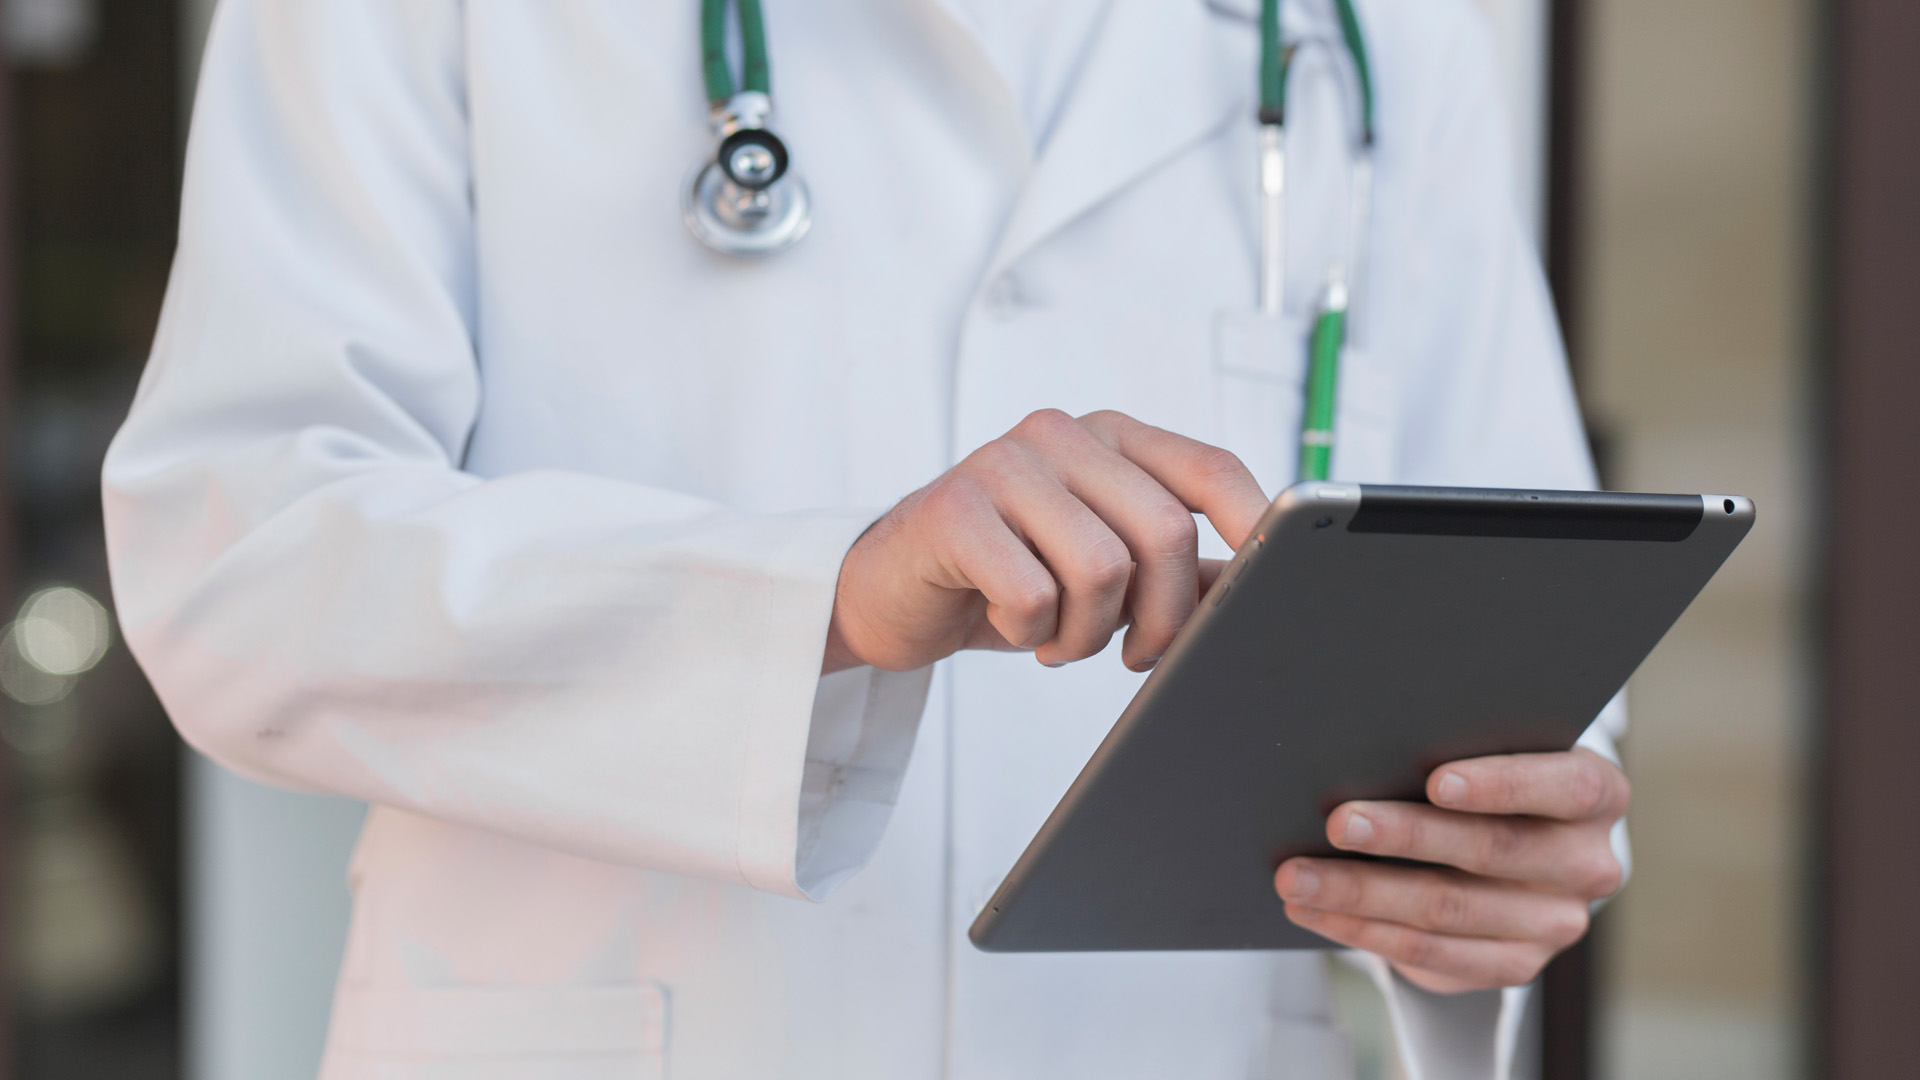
1367 636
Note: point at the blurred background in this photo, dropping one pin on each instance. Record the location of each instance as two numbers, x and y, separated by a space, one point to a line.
1727 196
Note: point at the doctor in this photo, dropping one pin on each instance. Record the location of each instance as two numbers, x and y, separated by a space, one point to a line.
672 608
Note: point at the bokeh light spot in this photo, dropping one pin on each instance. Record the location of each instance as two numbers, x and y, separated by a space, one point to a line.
62 631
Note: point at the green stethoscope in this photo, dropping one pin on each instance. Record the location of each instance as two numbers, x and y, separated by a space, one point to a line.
1329 338
746 201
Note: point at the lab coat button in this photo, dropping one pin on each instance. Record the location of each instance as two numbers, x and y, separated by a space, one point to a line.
1004 297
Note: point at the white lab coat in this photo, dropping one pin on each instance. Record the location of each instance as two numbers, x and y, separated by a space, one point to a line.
464 482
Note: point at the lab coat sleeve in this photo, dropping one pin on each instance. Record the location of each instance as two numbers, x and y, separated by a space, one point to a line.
323 599
1496 409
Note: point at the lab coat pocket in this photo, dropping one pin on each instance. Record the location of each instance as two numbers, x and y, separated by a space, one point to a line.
1259 377
615 1032
1260 374
1366 427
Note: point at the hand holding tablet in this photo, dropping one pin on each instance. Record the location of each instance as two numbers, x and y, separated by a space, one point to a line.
1520 847
1361 639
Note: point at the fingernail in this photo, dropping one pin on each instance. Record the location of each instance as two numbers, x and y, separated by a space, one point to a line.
1305 883
1359 831
1052 663
1451 790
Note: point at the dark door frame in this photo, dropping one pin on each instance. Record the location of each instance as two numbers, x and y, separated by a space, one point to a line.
8 523
1568 989
1868 834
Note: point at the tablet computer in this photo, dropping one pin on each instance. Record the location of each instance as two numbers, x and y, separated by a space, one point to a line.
1361 638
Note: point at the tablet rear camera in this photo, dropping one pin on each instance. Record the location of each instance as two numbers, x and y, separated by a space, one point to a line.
1324 522
1729 505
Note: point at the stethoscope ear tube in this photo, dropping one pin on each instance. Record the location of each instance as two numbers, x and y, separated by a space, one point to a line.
755 76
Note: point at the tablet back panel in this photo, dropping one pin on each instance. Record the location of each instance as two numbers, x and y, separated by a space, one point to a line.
1365 636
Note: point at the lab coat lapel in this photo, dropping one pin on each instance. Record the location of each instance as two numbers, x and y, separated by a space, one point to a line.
966 64
1156 79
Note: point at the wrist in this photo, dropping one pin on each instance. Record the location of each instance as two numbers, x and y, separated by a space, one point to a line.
839 656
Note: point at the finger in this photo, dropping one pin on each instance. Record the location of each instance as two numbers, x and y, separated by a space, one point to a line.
1442 901
980 552
1576 858
1087 559
1576 786
1439 962
1156 527
1205 478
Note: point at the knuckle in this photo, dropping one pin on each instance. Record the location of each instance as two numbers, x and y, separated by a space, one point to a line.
1419 949
1033 598
1113 578
1592 789
1508 789
1001 457
1105 419
1622 792
1213 463
1400 834
1598 874
1520 968
1173 531
957 502
1448 908
1502 845
1570 923
1044 424
1106 566
1341 890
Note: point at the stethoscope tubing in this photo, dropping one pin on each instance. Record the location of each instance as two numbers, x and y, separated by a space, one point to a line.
771 212
1327 342
755 74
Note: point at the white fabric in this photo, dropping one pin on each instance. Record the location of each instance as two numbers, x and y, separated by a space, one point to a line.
1036 49
462 481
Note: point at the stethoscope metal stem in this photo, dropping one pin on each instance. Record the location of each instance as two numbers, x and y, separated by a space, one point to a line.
1273 218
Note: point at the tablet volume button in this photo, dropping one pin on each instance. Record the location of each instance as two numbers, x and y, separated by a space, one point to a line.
1222 596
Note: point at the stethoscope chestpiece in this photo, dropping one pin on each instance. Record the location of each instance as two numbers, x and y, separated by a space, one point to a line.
753 158
745 202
